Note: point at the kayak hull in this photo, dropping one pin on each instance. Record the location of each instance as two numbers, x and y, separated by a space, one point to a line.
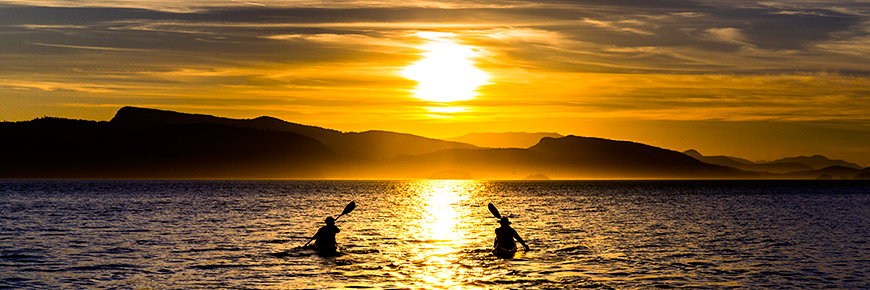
325 251
504 253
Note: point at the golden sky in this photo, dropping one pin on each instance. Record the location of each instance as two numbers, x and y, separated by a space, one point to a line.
753 79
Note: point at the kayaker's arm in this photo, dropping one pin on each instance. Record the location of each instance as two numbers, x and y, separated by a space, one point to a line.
312 238
517 236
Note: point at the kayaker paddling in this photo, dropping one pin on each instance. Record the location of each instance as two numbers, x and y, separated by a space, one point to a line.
504 238
325 236
504 245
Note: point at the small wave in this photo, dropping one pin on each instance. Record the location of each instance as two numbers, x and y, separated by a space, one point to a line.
362 251
429 241
103 267
574 250
277 241
290 253
218 266
200 250
305 252
119 250
681 255
21 258
694 264
575 281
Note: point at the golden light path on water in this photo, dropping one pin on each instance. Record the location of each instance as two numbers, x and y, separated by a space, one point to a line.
446 73
446 230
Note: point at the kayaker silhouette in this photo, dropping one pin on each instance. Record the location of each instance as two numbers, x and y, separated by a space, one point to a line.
504 238
325 236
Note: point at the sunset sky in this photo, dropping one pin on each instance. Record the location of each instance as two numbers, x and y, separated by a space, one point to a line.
753 79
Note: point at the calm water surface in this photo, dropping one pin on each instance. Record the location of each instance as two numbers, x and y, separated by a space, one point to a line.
435 234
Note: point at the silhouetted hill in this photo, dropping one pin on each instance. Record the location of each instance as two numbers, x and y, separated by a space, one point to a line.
503 140
142 118
795 166
835 172
62 148
568 157
369 144
602 157
563 158
817 162
719 159
538 176
740 163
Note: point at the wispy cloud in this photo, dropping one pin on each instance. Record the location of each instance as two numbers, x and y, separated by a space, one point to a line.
90 47
49 86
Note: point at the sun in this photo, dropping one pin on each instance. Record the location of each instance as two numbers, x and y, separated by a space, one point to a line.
447 72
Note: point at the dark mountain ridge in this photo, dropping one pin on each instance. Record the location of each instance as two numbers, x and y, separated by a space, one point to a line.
569 157
779 167
834 172
817 162
801 166
60 148
608 157
369 144
148 143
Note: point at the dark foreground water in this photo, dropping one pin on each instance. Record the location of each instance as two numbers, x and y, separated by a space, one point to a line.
435 234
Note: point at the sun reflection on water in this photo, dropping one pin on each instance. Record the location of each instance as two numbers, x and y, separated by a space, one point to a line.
442 237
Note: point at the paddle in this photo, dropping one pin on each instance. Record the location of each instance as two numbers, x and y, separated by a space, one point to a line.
347 209
494 210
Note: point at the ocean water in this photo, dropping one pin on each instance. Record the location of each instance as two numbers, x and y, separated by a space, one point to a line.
434 234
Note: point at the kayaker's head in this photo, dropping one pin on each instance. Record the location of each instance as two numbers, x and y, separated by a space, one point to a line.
504 221
330 221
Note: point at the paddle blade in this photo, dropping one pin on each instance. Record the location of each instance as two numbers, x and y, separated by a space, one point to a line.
349 208
493 210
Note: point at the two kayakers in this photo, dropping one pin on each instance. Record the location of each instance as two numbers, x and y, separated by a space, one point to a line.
504 244
504 238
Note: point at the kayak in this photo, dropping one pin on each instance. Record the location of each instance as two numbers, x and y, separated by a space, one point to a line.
504 253
325 251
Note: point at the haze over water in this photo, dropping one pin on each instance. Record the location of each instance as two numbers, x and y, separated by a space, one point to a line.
434 234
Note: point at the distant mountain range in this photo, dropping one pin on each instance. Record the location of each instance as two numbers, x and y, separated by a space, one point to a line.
503 140
792 167
149 143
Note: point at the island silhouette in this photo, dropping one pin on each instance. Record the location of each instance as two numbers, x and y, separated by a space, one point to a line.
151 143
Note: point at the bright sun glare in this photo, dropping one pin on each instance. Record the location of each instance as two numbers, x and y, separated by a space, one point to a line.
447 72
